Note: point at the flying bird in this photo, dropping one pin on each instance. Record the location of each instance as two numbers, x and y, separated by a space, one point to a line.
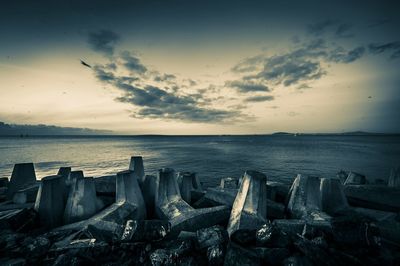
369 97
85 64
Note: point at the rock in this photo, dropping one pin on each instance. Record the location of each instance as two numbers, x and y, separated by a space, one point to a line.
304 196
174 254
376 215
162 257
297 260
81 202
88 248
23 175
105 186
20 220
35 248
187 236
170 206
216 255
237 255
277 191
13 262
188 182
229 183
211 236
313 252
7 205
49 204
272 256
147 230
373 197
26 195
355 179
394 178
249 210
389 230
136 166
270 235
332 196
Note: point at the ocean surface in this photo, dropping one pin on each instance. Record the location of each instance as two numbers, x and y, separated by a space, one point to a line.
280 157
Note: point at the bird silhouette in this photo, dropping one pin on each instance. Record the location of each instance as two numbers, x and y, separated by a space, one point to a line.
85 64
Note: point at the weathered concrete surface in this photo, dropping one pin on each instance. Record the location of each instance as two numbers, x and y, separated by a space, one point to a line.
64 172
304 196
238 255
373 197
332 196
170 206
128 191
136 165
26 195
149 192
188 181
277 191
145 231
355 179
217 197
3 182
23 175
18 220
81 202
249 209
376 215
105 185
394 178
73 175
229 183
50 202
8 205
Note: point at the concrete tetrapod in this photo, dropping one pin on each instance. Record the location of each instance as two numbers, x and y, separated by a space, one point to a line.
129 205
332 196
74 175
355 179
305 196
249 210
394 178
23 175
49 204
136 165
64 172
188 182
81 202
170 206
149 192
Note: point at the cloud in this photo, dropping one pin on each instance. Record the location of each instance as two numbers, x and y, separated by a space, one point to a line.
246 86
343 31
394 47
102 75
248 64
378 23
132 63
103 41
340 55
260 98
165 77
320 27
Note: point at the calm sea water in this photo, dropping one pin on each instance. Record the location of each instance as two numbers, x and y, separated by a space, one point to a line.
212 157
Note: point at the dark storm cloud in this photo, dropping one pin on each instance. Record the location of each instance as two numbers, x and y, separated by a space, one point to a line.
103 41
132 63
246 86
157 103
340 55
393 47
260 98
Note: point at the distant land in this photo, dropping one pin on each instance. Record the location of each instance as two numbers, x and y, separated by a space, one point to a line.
51 130
48 130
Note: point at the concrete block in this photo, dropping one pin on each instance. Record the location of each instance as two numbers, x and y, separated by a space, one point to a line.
136 165
73 175
64 172
49 204
187 182
23 175
149 190
278 191
128 191
217 197
170 206
249 210
229 182
81 202
105 185
394 178
355 179
26 195
304 196
332 196
3 182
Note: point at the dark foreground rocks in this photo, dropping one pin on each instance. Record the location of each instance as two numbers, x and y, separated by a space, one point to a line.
135 219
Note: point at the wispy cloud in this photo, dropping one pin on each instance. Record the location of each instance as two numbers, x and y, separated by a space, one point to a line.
103 41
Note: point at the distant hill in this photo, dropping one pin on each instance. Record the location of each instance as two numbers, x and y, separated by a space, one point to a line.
30 130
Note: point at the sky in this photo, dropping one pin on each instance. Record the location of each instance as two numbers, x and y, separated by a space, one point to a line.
201 67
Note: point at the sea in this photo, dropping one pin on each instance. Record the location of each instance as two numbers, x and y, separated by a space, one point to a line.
280 157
